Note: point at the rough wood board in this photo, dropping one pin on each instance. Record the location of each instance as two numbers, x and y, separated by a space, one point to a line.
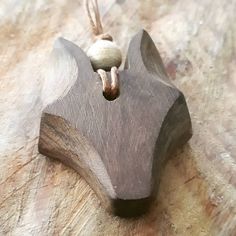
197 194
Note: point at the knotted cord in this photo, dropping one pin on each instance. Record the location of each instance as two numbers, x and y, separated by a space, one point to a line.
110 90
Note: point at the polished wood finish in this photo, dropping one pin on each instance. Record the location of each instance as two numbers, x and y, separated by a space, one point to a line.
119 147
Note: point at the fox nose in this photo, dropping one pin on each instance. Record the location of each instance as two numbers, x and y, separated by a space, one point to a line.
131 207
134 183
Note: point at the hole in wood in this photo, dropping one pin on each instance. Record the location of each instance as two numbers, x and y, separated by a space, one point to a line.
111 96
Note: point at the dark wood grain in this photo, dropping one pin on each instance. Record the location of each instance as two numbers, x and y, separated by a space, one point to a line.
119 147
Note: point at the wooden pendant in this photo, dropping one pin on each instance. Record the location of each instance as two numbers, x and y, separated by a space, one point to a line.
120 147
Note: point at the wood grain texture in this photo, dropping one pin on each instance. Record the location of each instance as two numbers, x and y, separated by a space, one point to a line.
197 193
131 137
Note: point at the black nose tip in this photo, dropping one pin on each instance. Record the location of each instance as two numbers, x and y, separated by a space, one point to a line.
131 208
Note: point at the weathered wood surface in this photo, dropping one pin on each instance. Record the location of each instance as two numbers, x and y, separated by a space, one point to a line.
197 194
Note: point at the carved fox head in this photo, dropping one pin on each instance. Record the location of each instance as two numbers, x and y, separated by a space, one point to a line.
118 146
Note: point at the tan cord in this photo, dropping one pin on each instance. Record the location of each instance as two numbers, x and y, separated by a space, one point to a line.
105 82
115 90
110 91
96 24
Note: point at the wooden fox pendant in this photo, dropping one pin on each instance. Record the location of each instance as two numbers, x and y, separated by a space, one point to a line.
119 147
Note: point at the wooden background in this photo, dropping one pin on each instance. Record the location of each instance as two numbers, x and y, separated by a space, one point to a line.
197 40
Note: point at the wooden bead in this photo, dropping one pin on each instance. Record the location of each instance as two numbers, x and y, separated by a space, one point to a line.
104 55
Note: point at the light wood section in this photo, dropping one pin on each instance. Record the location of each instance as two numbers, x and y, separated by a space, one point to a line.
197 194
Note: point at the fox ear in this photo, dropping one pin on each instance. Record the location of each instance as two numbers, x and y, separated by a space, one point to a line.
60 71
66 62
143 56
